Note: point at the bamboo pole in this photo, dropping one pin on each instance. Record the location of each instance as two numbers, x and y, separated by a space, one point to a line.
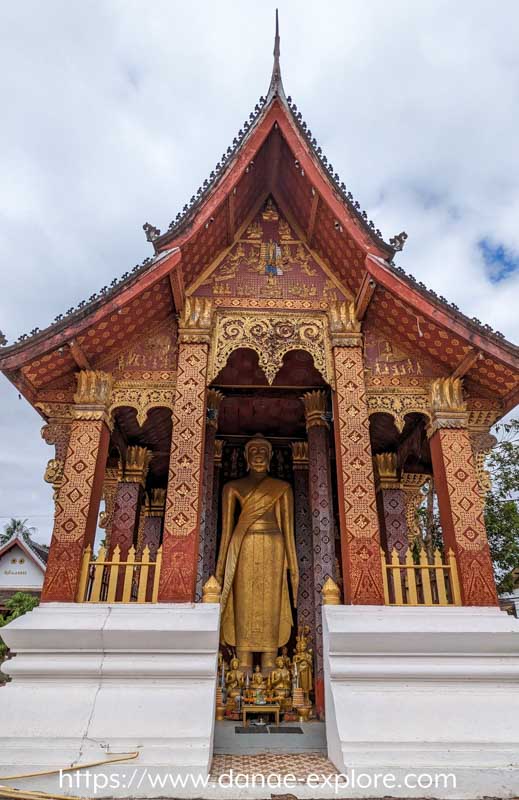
114 574
143 576
156 577
412 595
99 567
83 575
455 584
426 578
128 576
440 578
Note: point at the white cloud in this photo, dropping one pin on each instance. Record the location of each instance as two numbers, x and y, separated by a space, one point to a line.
114 113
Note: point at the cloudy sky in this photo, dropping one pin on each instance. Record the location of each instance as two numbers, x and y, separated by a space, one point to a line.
114 112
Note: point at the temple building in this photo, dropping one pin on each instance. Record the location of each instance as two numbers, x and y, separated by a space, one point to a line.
251 416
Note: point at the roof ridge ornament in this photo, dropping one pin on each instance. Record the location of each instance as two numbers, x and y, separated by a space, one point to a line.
276 82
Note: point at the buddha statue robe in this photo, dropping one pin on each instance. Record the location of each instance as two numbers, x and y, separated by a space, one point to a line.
254 557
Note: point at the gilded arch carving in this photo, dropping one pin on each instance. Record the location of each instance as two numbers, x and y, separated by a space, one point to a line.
398 405
142 397
271 335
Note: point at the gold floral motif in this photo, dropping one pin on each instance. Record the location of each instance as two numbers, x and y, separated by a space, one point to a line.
135 466
196 320
386 464
93 388
315 408
142 396
344 326
271 337
299 455
449 409
399 405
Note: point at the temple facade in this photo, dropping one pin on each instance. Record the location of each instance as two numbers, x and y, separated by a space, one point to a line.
271 305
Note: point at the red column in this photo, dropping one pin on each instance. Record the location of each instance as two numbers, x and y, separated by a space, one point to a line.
460 500
360 533
128 497
79 496
153 517
392 505
303 533
207 542
184 495
321 511
109 492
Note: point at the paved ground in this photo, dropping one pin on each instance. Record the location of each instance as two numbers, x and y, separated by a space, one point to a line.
228 742
299 764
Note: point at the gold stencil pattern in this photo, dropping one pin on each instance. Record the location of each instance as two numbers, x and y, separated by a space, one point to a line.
271 337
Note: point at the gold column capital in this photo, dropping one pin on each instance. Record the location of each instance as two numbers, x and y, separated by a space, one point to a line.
196 321
448 408
214 399
218 451
344 325
156 503
92 397
134 469
315 407
386 471
211 591
299 455
331 593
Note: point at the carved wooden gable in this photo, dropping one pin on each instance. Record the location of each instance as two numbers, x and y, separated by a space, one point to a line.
269 262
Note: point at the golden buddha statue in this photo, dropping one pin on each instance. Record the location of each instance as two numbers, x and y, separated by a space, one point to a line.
304 663
257 680
281 682
254 557
234 682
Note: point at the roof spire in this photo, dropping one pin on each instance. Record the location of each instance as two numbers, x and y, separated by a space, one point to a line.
276 84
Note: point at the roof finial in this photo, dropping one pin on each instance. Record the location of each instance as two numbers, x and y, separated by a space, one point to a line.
276 84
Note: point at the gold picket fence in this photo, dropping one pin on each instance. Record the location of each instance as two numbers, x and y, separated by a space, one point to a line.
117 581
422 584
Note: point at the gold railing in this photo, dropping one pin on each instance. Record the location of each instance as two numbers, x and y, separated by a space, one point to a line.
117 581
422 584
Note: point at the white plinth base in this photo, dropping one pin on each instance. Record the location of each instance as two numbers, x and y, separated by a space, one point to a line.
424 690
93 680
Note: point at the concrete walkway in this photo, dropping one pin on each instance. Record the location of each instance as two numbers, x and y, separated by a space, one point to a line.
228 742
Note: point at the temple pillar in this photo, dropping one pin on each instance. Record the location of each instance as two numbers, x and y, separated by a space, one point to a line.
153 514
321 514
303 534
184 493
109 492
460 499
360 533
56 432
128 498
79 495
392 505
207 542
412 483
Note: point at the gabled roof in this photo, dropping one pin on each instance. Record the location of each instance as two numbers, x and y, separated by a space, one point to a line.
38 553
274 153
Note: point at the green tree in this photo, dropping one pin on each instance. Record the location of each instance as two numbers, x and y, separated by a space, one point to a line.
502 504
18 604
16 526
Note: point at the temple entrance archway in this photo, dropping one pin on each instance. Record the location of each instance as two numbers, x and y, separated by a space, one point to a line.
250 403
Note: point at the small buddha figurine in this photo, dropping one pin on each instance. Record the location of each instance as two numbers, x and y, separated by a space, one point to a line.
258 681
286 658
234 681
303 661
281 683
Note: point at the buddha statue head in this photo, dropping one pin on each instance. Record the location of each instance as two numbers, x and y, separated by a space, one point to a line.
280 662
234 663
258 452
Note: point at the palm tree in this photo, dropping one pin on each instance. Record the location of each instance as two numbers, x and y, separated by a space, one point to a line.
16 526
